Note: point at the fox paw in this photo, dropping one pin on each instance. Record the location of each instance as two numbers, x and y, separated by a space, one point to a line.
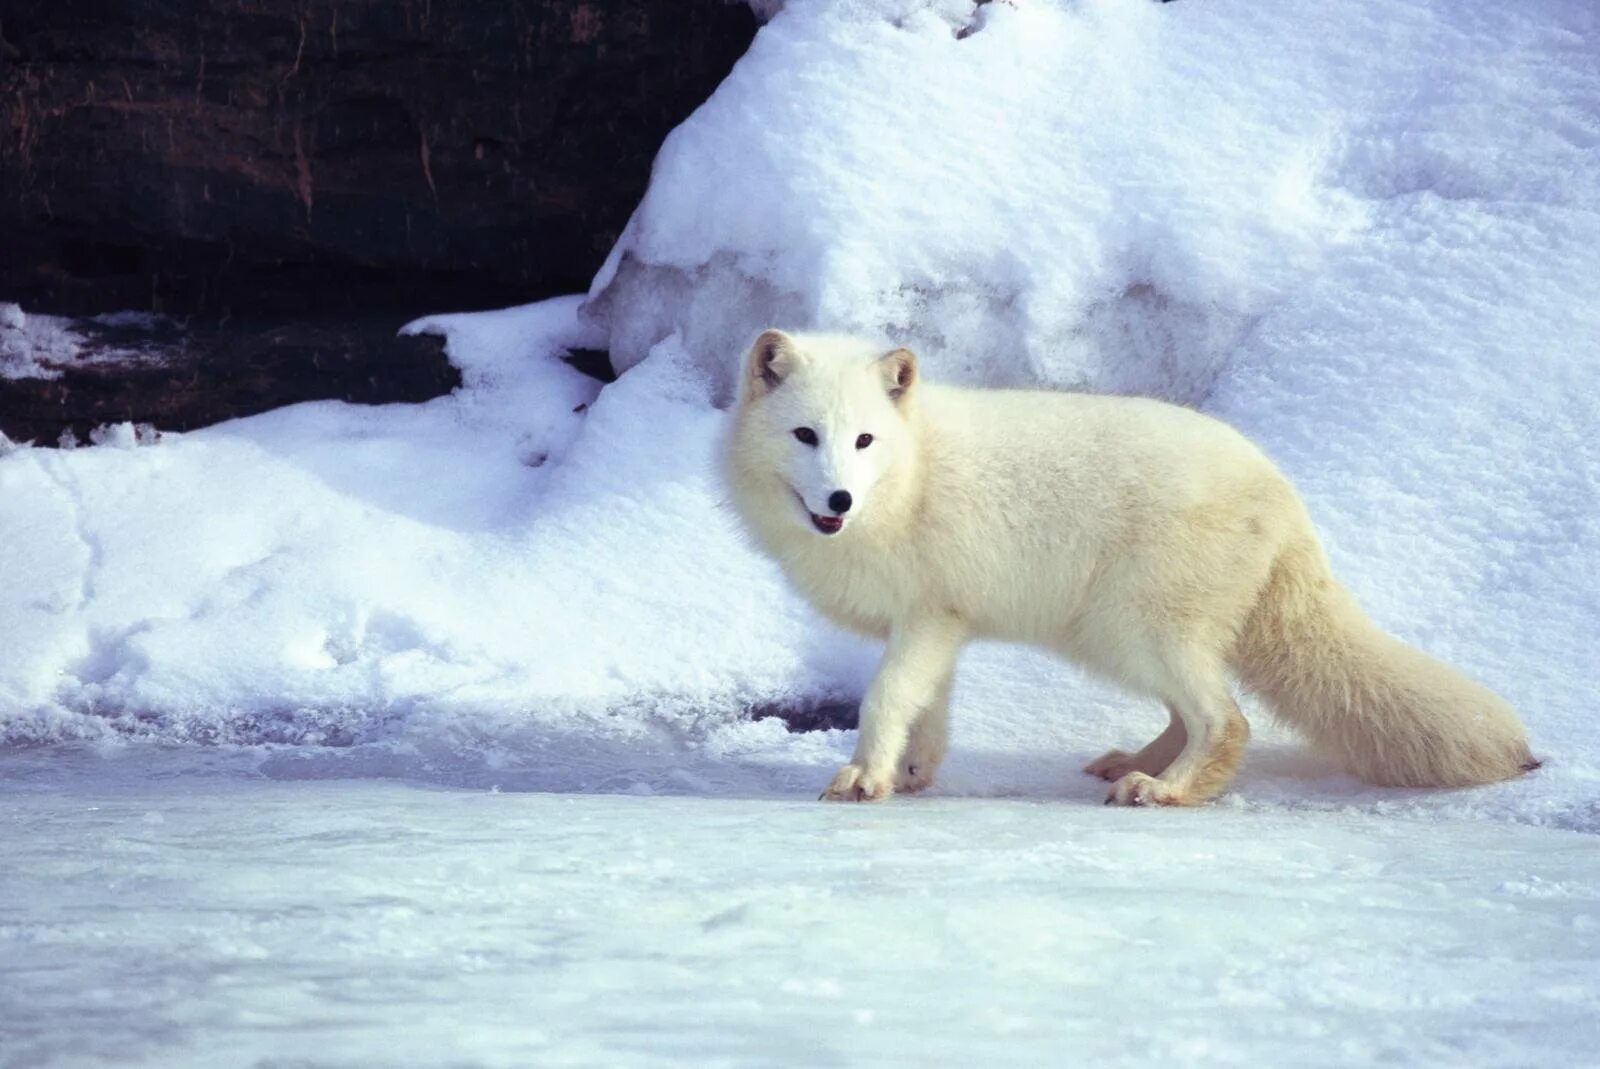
855 784
1137 788
1112 765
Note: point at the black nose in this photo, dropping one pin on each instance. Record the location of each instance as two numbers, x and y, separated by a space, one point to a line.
839 501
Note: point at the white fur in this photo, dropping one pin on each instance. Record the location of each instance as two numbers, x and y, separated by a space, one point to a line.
1148 543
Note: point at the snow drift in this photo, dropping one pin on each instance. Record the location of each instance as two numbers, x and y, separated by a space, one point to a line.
1106 194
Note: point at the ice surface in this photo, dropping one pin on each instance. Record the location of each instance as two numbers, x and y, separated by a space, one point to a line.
188 917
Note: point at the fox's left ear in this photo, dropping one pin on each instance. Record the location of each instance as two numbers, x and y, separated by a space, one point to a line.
899 370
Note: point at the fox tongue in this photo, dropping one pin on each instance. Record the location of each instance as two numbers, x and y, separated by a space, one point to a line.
827 524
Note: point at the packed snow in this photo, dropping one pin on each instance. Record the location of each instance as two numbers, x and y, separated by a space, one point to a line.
1366 234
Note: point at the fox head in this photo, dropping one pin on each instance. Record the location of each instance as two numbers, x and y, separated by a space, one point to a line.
824 424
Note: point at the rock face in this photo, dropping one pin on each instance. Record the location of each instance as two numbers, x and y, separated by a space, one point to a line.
261 159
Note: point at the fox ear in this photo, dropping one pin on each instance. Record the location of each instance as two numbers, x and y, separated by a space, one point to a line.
772 359
899 370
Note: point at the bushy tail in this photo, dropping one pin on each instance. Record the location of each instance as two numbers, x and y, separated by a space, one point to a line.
1393 715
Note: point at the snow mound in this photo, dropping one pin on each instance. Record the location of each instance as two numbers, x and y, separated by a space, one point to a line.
487 578
1037 193
1108 194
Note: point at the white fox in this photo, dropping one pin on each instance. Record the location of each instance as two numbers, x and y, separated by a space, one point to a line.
1148 543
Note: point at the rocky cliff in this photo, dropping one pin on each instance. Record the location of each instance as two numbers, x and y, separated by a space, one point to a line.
255 162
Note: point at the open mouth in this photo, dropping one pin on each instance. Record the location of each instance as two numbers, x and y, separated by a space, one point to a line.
827 524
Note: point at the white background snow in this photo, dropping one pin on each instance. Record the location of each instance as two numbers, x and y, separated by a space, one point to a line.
277 697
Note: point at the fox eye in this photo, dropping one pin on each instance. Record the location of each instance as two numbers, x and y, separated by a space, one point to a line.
863 440
806 435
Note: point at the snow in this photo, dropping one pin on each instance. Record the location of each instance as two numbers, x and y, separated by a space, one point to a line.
41 346
259 682
1015 203
1107 193
22 343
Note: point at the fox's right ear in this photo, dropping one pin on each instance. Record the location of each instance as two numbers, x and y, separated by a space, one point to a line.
771 360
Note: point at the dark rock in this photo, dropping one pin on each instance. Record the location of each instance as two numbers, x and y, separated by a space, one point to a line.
178 379
285 158
595 363
811 716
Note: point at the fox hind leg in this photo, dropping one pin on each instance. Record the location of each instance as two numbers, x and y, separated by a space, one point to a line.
1215 737
1153 760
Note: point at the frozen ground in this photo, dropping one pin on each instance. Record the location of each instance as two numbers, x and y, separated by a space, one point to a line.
258 681
182 914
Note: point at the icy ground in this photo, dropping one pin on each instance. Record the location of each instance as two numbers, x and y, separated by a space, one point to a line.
183 915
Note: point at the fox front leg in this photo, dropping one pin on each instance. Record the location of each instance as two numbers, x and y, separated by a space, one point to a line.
925 749
913 678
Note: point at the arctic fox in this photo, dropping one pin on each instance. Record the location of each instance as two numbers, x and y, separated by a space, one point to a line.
1148 543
